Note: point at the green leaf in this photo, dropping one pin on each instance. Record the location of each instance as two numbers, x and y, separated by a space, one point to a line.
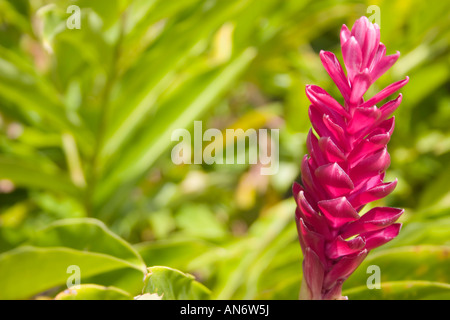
177 113
100 255
93 292
172 284
142 86
402 290
427 262
433 232
87 234
27 271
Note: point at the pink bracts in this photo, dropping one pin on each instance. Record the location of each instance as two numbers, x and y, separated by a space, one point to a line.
346 164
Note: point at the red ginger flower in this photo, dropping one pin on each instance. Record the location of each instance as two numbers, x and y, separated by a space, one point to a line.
346 165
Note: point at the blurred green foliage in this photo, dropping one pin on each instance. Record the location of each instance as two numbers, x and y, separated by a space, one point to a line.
86 117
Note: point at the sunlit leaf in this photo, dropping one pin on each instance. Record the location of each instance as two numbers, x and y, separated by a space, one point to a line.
93 292
172 284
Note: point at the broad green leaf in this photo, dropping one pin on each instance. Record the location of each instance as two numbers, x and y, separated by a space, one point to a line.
93 292
27 271
402 290
172 284
87 234
87 243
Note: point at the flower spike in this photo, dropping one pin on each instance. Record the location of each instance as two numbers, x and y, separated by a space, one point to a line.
346 164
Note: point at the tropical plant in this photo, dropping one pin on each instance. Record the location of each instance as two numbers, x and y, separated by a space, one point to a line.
86 177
